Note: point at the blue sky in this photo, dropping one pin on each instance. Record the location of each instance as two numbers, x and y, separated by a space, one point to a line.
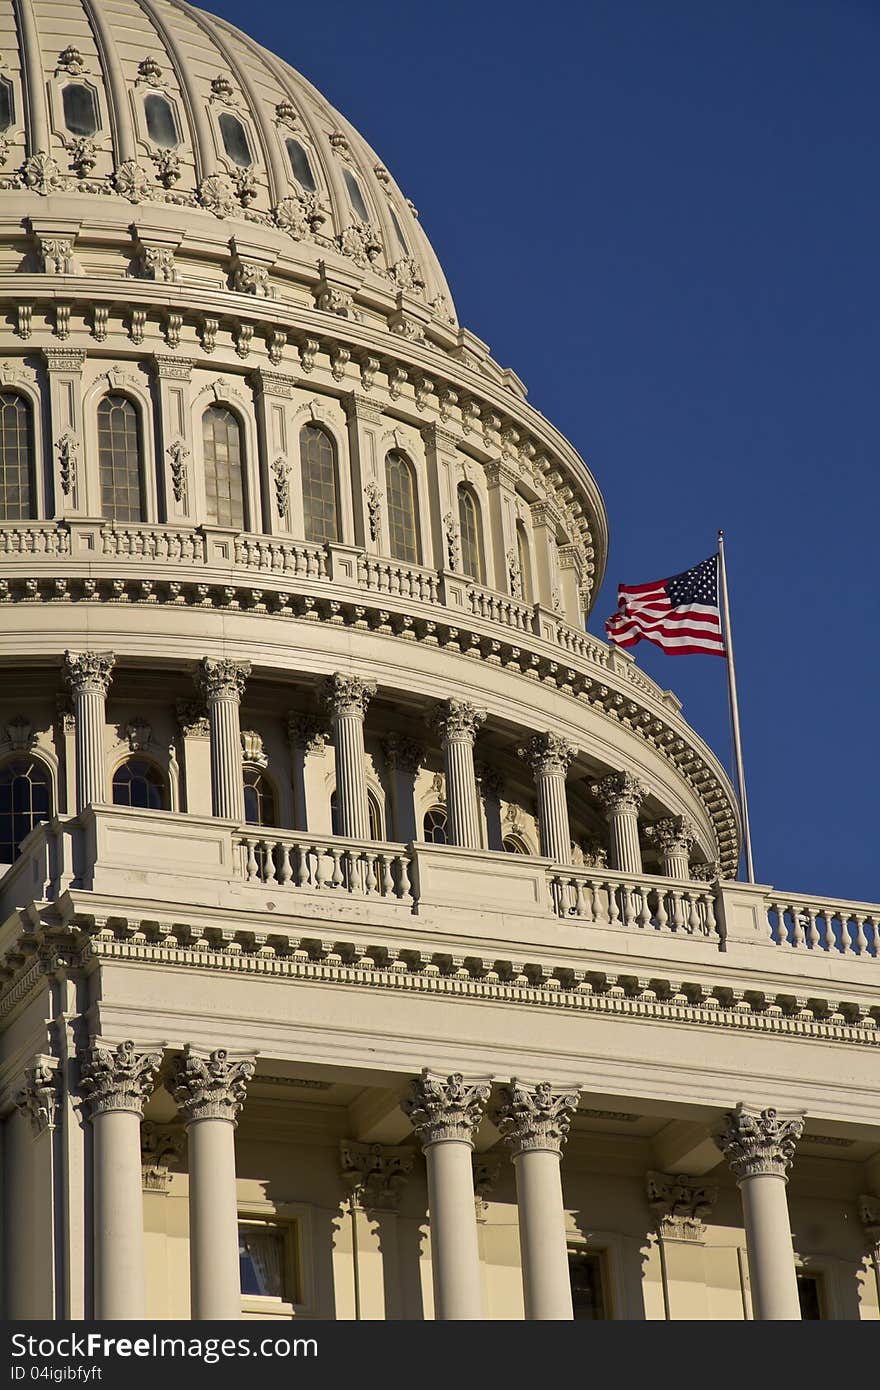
665 216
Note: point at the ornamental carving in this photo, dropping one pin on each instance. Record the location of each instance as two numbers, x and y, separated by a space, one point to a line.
486 1174
869 1215
157 263
38 1099
360 242
403 753
83 155
755 1142
373 494
407 274
89 673
299 215
452 533
56 256
285 114
458 720
619 793
167 164
447 1108
149 72
248 278
680 1204
216 193
672 835
213 1087
117 1078
20 733
348 695
307 732
161 1147
547 754
131 180
332 299
709 872
138 734
178 453
534 1117
514 576
192 720
281 481
223 679
71 61
375 1174
252 750
40 173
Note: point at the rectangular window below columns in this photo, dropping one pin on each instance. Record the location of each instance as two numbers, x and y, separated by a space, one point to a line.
589 1297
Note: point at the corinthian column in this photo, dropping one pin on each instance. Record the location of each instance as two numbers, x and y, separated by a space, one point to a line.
457 723
115 1083
210 1092
549 757
347 698
673 836
222 684
445 1113
535 1122
89 674
759 1146
620 795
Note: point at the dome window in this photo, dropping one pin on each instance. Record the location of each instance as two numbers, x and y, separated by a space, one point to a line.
80 109
7 103
224 467
400 494
299 163
471 531
25 801
120 460
398 231
235 141
16 456
319 485
138 782
356 196
161 123
434 826
259 798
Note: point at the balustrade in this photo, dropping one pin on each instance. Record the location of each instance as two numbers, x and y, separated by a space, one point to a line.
849 929
605 898
391 577
366 868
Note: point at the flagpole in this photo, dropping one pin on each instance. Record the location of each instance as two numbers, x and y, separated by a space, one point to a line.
734 711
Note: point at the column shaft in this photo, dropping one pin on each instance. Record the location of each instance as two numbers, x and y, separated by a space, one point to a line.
351 776
553 816
768 1242
455 1258
461 793
215 1286
227 782
91 778
118 1217
626 854
543 1245
676 864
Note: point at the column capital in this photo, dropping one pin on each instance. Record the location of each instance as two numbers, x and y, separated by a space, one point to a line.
403 753
223 679
307 731
757 1142
375 1174
533 1117
344 694
457 720
38 1097
117 1078
619 791
161 1145
192 719
89 672
672 834
445 1108
547 753
212 1087
680 1204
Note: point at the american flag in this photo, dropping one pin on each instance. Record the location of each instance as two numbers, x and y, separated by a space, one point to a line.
680 614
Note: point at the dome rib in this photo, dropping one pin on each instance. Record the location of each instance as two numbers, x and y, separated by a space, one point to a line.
37 124
200 137
119 112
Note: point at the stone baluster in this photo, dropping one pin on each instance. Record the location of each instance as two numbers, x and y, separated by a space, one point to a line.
445 1113
89 674
549 756
210 1092
759 1147
222 684
347 698
535 1122
620 795
115 1082
457 723
673 836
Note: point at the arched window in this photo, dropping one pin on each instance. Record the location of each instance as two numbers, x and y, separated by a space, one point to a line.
512 844
356 196
119 460
299 163
7 103
235 141
319 485
224 472
525 564
259 798
16 456
161 122
138 782
25 801
471 530
434 826
80 109
400 497
374 811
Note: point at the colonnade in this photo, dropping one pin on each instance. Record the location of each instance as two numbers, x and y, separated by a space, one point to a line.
346 699
445 1113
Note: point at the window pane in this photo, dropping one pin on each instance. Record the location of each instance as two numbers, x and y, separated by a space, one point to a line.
137 782
161 125
587 1294
25 801
16 457
299 163
235 140
525 569
356 196
80 109
261 1259
119 460
259 798
434 826
7 104
224 478
810 1297
398 232
471 535
375 814
320 502
401 502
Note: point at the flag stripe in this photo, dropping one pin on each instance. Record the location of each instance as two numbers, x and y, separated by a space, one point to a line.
680 615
